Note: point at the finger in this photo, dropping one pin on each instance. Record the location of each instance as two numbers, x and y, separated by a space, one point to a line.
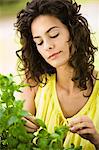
31 118
30 124
30 129
79 120
82 125
86 131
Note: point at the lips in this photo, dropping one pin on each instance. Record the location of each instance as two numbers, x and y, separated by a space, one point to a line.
54 54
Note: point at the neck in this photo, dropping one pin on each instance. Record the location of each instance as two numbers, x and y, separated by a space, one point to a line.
64 78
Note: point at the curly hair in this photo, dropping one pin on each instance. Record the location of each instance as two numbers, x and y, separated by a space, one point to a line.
67 12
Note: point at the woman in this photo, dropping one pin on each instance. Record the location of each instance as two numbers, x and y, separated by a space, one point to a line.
57 57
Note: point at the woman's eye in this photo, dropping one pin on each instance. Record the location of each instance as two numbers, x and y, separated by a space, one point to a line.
54 36
40 43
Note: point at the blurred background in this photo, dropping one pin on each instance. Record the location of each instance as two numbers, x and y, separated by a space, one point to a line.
9 41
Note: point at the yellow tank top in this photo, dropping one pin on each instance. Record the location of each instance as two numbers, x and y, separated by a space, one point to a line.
48 109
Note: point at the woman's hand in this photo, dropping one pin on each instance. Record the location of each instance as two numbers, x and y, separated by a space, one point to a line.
84 126
30 125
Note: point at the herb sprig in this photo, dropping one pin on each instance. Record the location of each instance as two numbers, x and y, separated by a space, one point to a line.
13 135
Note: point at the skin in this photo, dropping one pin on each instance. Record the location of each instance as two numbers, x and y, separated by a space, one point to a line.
51 37
85 128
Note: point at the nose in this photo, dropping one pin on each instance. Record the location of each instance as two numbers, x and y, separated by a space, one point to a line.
48 45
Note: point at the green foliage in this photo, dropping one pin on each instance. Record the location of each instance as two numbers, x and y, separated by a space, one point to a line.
13 135
51 141
12 132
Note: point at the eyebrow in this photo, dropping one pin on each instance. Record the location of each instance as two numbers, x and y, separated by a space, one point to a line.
35 37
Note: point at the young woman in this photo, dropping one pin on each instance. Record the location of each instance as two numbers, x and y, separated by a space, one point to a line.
57 57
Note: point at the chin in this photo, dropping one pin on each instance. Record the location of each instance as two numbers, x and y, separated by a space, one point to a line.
58 64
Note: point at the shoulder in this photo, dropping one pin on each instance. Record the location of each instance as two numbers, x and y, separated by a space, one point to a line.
30 88
28 93
47 79
48 83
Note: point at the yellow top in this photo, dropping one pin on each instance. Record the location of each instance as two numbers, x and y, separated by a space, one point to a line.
48 109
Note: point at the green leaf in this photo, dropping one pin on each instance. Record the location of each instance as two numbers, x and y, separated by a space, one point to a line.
43 143
1 112
36 148
43 133
12 142
12 130
41 123
54 136
56 146
23 113
78 148
12 120
62 131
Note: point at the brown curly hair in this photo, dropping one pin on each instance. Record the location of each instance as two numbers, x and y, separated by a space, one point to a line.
67 12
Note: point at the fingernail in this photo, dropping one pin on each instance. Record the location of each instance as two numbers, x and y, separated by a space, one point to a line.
72 128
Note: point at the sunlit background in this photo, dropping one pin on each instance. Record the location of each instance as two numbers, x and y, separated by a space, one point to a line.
9 41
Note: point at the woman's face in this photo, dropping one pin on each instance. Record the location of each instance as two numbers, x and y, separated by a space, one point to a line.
51 37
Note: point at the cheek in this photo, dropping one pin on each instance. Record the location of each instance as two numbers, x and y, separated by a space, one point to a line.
42 53
39 50
66 51
65 47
